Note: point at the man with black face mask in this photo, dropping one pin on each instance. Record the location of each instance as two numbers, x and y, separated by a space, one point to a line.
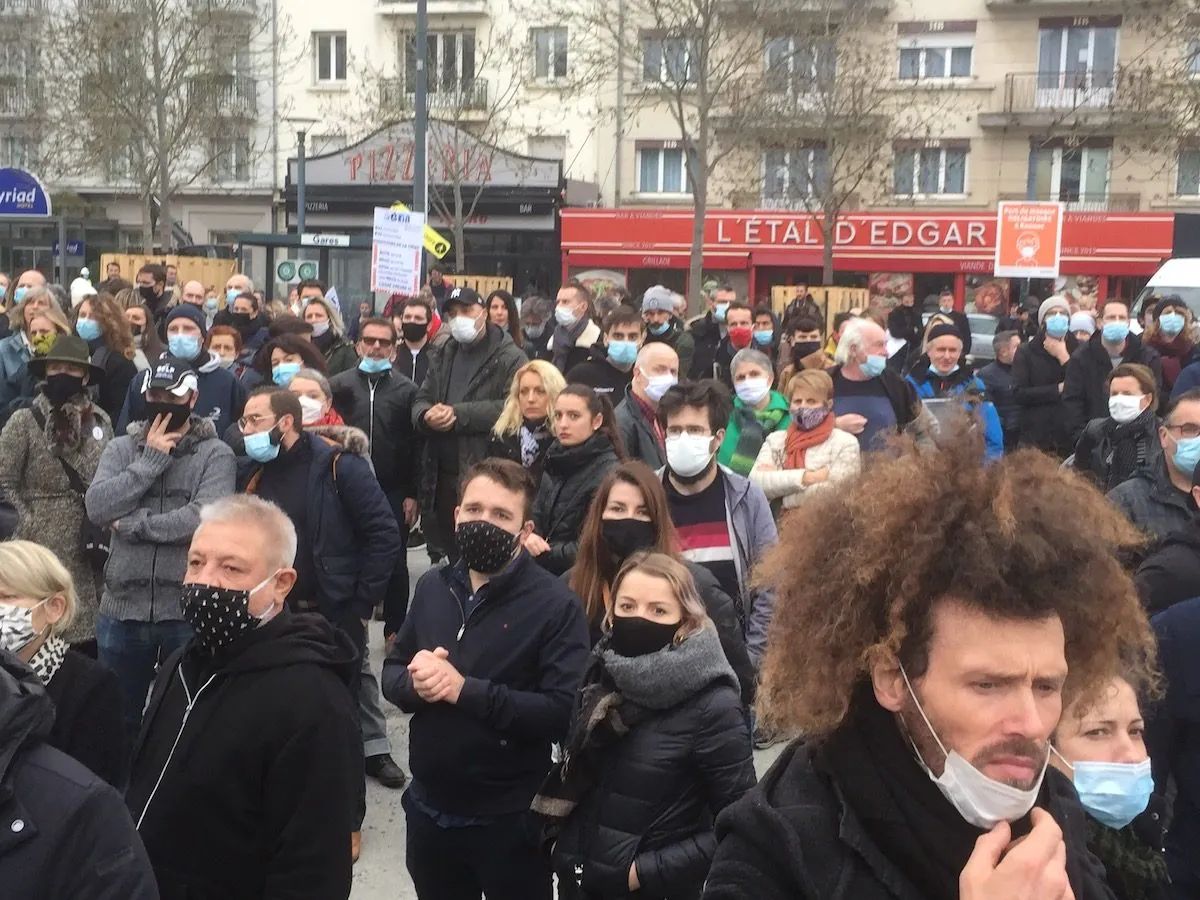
412 322
488 661
148 488
152 287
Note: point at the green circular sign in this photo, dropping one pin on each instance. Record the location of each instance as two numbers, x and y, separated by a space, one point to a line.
286 270
307 271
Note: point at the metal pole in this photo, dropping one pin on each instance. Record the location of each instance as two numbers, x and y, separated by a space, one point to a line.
62 251
300 160
421 121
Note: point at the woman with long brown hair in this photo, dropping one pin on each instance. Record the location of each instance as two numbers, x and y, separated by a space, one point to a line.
586 445
146 344
630 514
101 322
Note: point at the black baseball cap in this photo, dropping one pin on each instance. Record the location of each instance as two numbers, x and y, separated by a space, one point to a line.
169 373
464 296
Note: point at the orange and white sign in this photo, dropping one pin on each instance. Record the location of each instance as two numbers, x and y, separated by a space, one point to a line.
1028 239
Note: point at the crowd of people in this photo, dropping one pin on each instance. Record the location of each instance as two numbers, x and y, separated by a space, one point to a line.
659 543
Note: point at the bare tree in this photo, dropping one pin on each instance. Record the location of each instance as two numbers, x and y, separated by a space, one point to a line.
156 94
474 89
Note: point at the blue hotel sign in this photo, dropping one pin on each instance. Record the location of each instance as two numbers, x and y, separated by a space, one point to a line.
22 194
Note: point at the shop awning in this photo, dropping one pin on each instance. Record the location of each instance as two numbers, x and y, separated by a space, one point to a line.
648 259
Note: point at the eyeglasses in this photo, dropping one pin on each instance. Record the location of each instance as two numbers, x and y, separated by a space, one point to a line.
251 422
376 341
691 430
1185 430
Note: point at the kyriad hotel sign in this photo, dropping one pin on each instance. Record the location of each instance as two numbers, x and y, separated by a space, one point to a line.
23 194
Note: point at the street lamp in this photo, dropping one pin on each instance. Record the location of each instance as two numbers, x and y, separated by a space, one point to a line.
301 125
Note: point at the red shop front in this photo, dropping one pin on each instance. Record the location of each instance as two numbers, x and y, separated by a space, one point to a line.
1103 254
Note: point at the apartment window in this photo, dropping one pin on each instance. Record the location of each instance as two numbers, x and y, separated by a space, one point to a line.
549 53
329 51
16 152
794 174
930 171
1188 178
1075 58
950 58
450 58
1071 174
668 60
121 167
801 65
231 160
662 170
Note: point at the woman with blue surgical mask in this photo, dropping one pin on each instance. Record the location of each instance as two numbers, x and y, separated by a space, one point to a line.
758 411
1039 373
1100 746
282 357
102 325
1174 334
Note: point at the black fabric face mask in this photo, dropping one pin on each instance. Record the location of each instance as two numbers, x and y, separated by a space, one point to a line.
218 616
635 636
804 349
176 413
62 387
147 294
484 547
413 331
625 537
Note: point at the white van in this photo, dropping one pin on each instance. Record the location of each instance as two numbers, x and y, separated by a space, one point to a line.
1175 277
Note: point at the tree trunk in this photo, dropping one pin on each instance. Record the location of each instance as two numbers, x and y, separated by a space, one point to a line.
460 231
699 178
147 224
166 222
828 232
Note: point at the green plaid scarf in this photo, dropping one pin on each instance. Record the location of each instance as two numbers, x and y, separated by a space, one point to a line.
747 430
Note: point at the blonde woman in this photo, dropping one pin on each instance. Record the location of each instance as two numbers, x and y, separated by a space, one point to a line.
329 335
37 604
659 746
524 432
812 453
41 323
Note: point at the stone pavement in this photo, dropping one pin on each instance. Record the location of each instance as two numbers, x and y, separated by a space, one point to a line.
380 873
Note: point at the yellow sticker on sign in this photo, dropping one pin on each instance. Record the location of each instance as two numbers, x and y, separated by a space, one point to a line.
434 242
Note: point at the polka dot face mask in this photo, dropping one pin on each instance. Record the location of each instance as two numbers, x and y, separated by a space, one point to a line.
219 616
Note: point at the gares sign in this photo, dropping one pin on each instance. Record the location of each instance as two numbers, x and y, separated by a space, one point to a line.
22 194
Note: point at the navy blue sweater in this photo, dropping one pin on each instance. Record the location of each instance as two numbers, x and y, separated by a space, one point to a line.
522 650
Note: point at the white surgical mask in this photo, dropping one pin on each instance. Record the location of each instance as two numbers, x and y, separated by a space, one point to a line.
311 410
1125 409
565 316
463 329
982 801
689 454
320 329
753 390
657 385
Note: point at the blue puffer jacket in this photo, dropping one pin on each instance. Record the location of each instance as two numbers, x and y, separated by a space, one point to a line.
965 384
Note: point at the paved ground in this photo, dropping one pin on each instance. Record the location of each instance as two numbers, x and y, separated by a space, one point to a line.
380 873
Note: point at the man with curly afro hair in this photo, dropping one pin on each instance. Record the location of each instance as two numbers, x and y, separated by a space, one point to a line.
932 621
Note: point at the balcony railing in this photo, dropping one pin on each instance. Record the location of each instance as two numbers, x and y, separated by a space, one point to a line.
19 100
1060 92
1091 202
230 96
447 98
436 7
19 9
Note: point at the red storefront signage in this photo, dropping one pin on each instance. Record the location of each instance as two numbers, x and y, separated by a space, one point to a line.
1092 243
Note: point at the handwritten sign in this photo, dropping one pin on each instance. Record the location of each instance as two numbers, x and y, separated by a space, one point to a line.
396 244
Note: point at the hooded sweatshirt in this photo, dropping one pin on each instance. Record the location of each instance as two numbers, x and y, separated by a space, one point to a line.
239 789
220 399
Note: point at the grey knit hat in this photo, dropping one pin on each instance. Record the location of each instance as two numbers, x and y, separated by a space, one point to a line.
658 299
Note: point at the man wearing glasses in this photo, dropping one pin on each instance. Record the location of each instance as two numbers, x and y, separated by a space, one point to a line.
1159 500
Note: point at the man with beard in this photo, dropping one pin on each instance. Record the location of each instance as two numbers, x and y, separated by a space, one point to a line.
152 288
935 608
724 521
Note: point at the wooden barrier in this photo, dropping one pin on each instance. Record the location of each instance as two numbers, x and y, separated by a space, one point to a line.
206 270
482 284
832 300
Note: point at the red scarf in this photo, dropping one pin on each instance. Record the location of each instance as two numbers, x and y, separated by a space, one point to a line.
330 418
799 440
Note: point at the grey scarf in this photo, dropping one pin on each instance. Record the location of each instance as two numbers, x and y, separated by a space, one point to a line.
564 339
669 677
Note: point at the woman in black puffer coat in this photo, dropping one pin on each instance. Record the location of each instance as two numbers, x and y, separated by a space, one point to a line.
586 446
629 514
658 748
1038 372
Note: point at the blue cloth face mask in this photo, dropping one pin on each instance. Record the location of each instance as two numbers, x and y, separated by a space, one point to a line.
660 329
184 346
1115 332
231 295
374 366
1114 794
719 311
1187 454
210 305
622 353
88 329
1056 325
261 447
874 366
1171 323
19 294
283 373
763 336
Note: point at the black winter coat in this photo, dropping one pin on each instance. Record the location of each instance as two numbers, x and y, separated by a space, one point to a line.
1152 502
1171 574
658 790
794 837
522 650
475 415
712 355
1036 376
600 375
87 717
569 482
638 436
1085 391
243 776
381 407
109 394
65 834
509 447
1095 449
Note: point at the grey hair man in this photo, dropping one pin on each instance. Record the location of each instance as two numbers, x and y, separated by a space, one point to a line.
655 371
254 760
870 399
